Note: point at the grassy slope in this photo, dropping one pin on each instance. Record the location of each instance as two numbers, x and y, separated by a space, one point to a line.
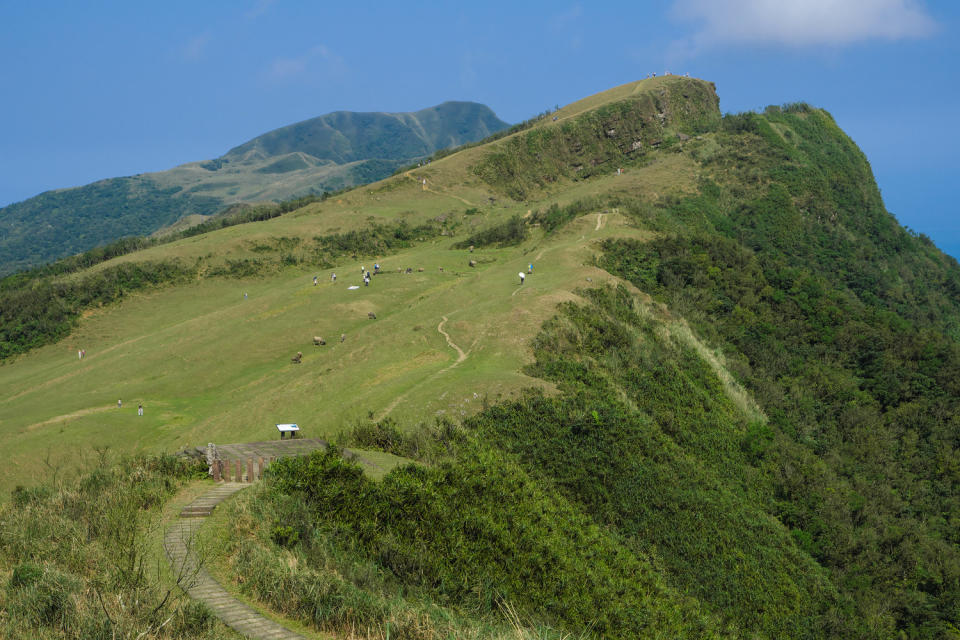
213 366
233 383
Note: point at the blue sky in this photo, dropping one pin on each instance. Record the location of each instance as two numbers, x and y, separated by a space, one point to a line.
102 88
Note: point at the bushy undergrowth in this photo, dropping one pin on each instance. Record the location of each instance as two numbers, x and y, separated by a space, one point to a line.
555 216
843 326
34 313
646 440
600 139
837 517
468 536
506 234
643 440
80 561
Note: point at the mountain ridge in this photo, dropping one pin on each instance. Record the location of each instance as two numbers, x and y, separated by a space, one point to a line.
348 148
720 404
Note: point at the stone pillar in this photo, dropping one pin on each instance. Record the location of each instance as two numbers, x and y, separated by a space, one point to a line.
250 477
260 472
212 456
238 471
216 470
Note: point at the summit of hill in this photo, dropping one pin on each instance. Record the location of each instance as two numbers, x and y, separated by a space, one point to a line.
327 153
660 371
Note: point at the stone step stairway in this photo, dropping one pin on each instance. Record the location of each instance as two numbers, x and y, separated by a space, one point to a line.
179 543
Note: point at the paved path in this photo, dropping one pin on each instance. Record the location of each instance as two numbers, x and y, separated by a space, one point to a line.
178 543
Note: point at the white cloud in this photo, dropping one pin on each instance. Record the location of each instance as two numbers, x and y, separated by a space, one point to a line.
193 49
258 9
566 26
801 23
564 19
318 59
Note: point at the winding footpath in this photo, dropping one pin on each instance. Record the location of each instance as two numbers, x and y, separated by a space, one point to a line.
461 356
179 541
438 192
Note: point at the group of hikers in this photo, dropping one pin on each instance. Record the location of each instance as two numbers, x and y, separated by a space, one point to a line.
81 354
524 275
365 274
139 407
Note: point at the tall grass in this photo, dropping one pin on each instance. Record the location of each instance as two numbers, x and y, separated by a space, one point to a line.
82 562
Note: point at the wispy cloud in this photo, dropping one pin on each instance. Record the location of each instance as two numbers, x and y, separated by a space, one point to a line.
564 19
259 8
318 59
566 26
194 48
801 23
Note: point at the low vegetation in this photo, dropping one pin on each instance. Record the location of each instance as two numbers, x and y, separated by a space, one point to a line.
555 216
843 327
81 559
468 540
801 520
506 234
596 141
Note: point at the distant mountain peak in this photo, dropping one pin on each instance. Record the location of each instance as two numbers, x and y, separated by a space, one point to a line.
326 153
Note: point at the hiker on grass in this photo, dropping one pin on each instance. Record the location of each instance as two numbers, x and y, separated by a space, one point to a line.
140 409
522 276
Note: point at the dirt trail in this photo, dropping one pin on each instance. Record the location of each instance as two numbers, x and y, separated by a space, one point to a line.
461 356
601 218
440 193
69 416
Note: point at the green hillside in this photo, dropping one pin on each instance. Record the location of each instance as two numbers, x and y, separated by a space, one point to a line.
722 403
327 153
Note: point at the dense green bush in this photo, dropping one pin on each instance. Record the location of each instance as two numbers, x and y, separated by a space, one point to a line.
506 234
843 325
555 216
45 310
480 531
600 139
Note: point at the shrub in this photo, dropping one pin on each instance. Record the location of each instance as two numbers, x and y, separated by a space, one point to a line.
507 234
